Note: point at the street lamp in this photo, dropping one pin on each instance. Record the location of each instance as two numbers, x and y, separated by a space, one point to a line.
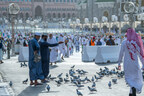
13 10
130 10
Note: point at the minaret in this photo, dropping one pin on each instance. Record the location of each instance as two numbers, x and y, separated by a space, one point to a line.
44 17
32 7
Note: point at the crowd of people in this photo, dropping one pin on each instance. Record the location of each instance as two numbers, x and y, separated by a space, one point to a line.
46 48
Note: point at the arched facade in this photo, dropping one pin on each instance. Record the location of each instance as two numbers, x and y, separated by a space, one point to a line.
38 11
41 8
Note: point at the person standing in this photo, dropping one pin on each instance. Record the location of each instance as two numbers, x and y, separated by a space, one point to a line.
92 42
35 67
99 42
45 54
131 48
25 43
1 50
54 50
61 46
110 42
8 48
77 45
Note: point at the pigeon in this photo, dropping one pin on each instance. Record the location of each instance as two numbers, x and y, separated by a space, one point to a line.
25 81
59 76
66 80
87 79
48 88
81 73
71 72
101 69
78 81
92 79
25 65
92 89
78 70
93 85
109 84
84 71
61 79
52 78
79 93
49 77
67 76
106 68
76 77
82 80
22 65
114 81
96 77
79 85
75 82
10 83
117 68
118 75
71 79
58 83
73 67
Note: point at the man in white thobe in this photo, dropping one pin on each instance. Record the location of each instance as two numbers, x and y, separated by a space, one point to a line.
131 49
54 50
61 46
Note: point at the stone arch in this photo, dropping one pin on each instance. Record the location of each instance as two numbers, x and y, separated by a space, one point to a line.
73 15
59 15
68 15
95 28
77 27
115 28
21 15
38 11
48 15
4 14
54 15
64 15
86 28
105 28
27 15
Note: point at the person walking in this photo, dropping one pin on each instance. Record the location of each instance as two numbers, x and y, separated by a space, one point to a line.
131 48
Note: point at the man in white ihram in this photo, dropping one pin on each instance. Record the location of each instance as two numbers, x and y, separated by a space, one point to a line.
61 46
131 49
53 50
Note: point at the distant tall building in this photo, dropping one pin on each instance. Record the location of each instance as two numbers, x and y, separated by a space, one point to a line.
99 8
47 9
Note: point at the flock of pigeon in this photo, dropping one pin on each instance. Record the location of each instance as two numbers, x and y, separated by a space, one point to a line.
75 77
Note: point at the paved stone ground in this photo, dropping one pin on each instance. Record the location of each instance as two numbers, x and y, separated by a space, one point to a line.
12 71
